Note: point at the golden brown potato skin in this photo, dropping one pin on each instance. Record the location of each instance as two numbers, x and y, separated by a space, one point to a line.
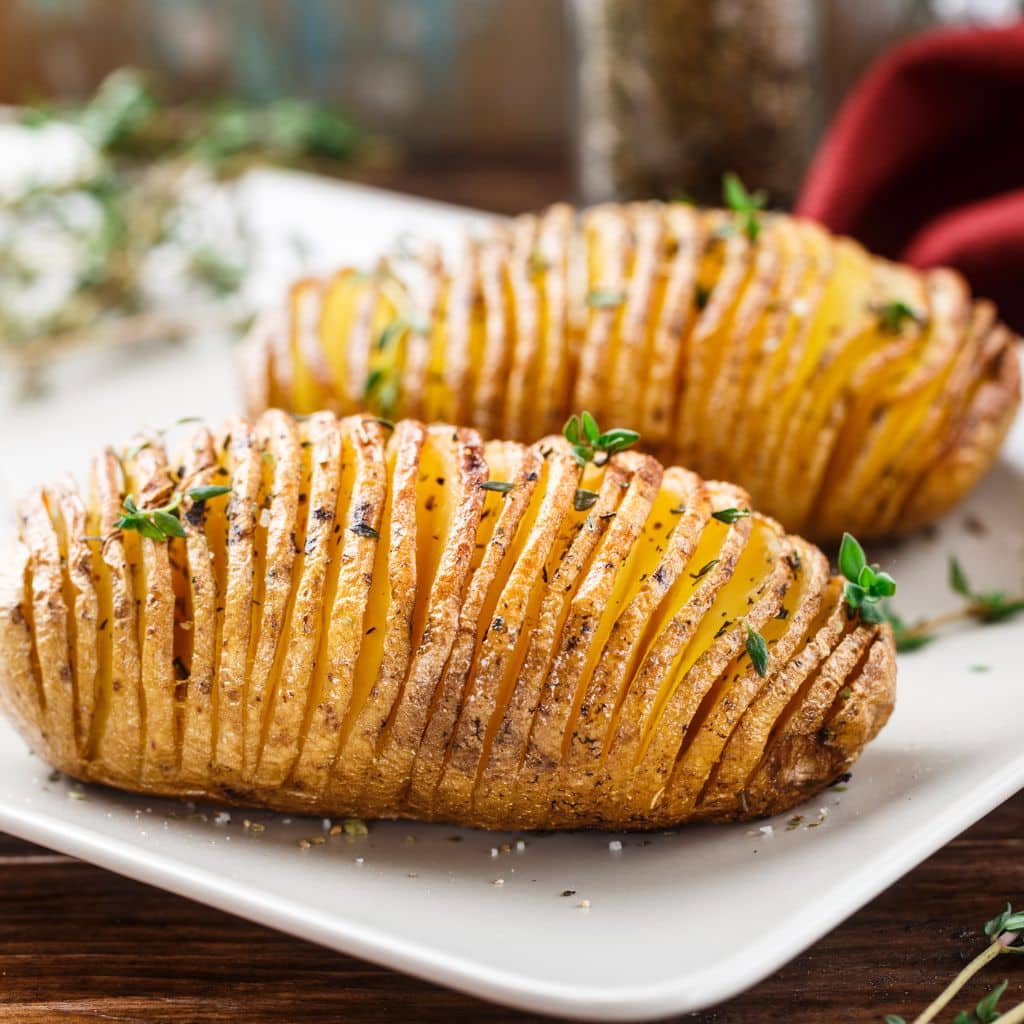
362 627
842 391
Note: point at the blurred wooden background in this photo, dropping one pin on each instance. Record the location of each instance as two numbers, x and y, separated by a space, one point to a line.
467 82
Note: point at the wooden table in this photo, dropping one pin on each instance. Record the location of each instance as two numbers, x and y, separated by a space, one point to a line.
80 944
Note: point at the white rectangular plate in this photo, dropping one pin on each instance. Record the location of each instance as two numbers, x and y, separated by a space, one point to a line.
675 922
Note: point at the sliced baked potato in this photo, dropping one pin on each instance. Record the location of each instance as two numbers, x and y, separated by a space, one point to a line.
842 391
337 616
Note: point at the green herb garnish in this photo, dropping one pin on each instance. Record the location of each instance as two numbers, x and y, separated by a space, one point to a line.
200 494
746 205
361 529
865 584
908 637
163 523
1004 932
160 524
730 515
757 648
589 444
892 315
605 298
501 486
381 389
704 569
986 606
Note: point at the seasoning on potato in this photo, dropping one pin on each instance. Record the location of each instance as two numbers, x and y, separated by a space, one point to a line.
344 618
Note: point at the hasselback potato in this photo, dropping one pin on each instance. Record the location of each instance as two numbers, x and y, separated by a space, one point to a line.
844 392
344 617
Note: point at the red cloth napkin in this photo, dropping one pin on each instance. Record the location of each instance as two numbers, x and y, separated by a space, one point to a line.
925 160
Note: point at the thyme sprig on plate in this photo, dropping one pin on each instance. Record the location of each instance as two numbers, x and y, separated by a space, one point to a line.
590 444
985 607
1005 932
746 205
865 585
163 523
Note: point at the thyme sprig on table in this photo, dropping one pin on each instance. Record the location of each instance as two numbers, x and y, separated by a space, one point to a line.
163 523
590 444
1005 932
865 585
985 607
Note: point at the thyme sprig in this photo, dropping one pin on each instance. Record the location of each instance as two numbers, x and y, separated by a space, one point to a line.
730 515
163 523
985 607
1004 932
590 444
757 648
746 205
865 585
892 315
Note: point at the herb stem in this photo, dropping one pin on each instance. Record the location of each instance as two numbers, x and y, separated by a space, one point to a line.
946 996
1014 1016
926 626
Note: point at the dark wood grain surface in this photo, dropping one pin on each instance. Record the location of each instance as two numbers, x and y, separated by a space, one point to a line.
80 944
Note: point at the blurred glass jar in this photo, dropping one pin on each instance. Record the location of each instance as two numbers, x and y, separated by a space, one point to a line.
671 93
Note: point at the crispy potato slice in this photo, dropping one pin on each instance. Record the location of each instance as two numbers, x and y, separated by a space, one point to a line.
521 694
672 628
507 630
457 503
320 439
642 297
971 442
464 319
725 790
795 749
585 619
526 300
494 549
383 661
52 648
118 745
684 501
147 479
361 498
744 335
492 374
69 515
609 255
201 469
710 729
551 267
282 468
750 598
21 696
705 345
242 455
676 315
